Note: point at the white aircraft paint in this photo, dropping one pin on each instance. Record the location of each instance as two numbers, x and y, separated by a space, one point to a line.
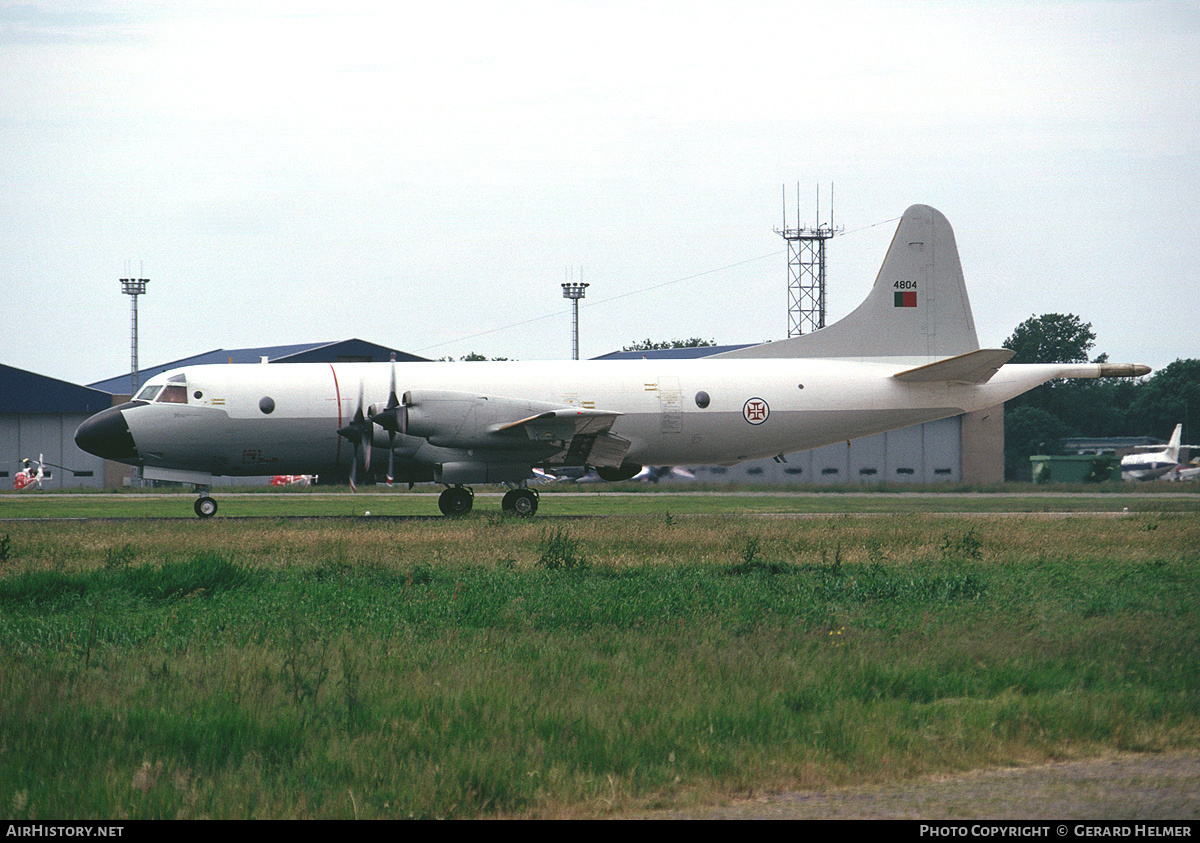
1159 464
908 354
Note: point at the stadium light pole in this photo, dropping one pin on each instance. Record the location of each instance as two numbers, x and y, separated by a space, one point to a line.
133 287
574 292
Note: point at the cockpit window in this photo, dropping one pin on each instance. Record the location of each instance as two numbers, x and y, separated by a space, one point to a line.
173 394
148 393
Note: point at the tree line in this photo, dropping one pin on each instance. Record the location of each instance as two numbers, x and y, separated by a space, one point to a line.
1038 421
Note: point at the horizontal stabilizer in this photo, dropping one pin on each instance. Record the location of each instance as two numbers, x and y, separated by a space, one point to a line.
973 367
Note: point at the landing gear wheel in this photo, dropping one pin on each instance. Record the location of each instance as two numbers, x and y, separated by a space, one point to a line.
205 506
456 501
523 502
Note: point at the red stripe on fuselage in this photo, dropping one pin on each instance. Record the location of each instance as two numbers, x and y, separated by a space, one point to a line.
337 392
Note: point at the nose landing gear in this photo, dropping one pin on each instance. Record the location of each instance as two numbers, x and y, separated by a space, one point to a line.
205 505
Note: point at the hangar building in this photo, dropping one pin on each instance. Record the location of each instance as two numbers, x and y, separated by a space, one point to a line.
38 415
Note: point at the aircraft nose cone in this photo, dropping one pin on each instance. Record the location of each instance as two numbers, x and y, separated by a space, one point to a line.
107 435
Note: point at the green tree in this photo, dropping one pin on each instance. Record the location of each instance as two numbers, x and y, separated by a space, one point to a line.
1168 397
1063 408
652 345
1052 338
1029 431
472 356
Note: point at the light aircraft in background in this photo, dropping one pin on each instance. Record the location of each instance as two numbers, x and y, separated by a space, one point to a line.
293 479
908 354
583 474
1162 463
1190 472
27 477
655 473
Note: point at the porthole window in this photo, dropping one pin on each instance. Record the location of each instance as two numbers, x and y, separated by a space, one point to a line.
702 399
198 394
267 404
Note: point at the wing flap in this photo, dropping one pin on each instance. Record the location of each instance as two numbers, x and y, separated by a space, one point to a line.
539 431
584 433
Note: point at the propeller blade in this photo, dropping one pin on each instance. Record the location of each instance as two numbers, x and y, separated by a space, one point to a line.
390 420
364 426
360 431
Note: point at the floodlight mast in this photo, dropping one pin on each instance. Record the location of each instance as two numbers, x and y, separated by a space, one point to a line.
574 292
133 287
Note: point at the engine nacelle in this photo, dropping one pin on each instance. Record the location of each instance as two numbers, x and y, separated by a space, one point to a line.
627 471
466 420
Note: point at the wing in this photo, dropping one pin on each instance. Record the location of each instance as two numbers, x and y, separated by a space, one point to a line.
536 432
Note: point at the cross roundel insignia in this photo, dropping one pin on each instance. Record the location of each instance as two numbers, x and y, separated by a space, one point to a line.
756 411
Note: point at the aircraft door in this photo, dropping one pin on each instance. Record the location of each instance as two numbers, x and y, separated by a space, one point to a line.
670 401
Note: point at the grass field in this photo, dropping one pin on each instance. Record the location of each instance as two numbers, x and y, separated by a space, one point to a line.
487 666
615 499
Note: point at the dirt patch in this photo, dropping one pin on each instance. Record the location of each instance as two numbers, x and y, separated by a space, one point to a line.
1121 787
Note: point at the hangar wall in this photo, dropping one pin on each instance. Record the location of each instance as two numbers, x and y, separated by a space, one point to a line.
963 449
38 415
25 435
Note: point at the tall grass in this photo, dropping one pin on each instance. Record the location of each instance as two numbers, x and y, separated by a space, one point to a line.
487 666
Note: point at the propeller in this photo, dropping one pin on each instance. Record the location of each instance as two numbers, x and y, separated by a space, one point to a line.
394 419
360 432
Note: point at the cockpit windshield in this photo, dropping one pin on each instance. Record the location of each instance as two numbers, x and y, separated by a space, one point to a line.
173 394
149 391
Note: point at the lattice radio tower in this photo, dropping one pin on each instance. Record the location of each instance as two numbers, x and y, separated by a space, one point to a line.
806 267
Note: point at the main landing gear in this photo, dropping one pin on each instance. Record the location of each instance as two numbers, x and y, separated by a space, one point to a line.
520 502
205 506
458 500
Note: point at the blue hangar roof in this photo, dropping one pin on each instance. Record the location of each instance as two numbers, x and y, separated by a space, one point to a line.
343 351
29 392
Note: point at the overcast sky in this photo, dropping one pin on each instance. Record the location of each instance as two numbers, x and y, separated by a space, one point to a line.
426 175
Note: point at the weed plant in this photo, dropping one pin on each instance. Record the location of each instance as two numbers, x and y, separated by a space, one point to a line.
485 667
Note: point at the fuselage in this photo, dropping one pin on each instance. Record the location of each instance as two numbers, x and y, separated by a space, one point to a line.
1147 466
268 419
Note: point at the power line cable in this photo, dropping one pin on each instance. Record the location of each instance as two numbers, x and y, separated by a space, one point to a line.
636 292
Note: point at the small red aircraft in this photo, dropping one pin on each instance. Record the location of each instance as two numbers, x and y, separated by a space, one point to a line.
293 479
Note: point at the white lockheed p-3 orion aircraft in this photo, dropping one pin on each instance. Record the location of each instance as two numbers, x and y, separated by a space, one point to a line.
907 354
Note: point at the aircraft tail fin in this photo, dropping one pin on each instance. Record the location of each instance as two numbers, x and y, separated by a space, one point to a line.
1174 445
917 310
